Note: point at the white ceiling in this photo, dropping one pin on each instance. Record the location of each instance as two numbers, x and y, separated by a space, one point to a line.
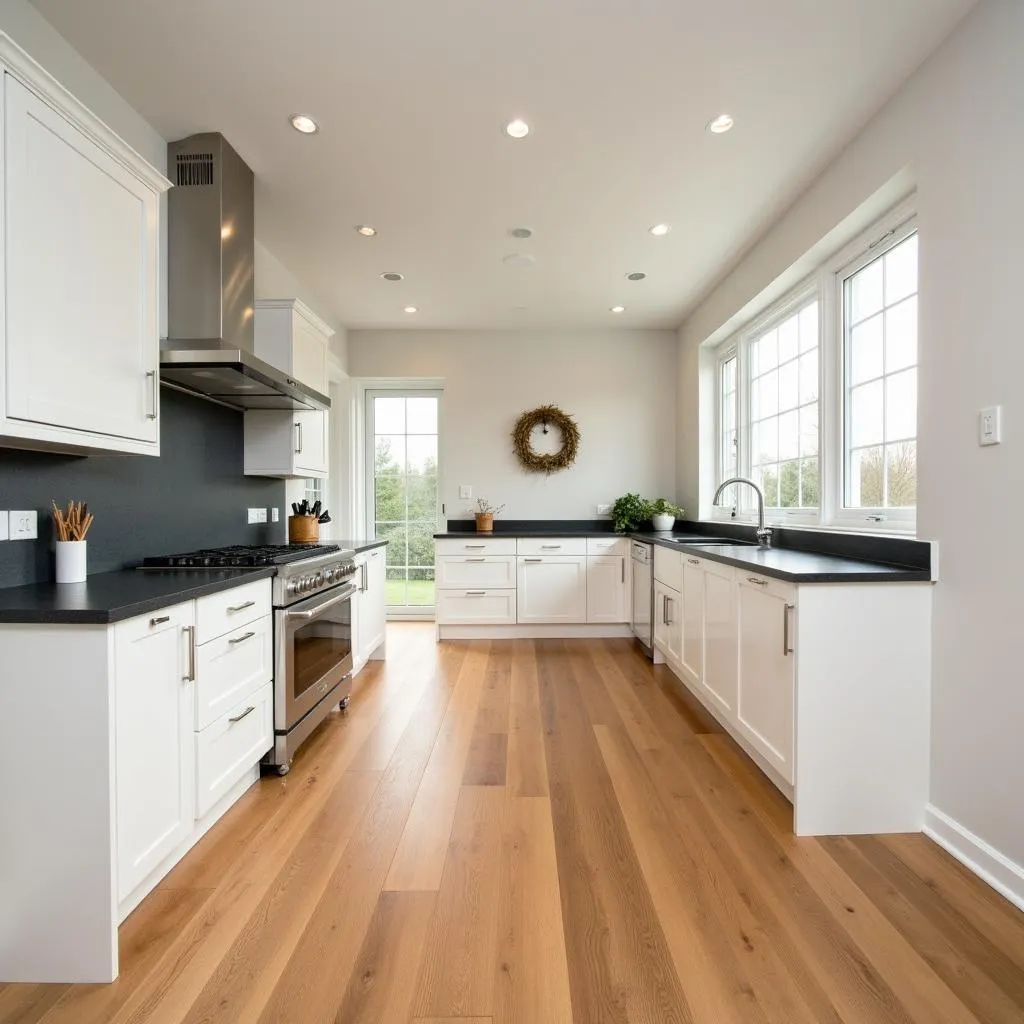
411 96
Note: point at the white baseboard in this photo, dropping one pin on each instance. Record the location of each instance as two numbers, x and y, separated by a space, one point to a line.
991 866
535 631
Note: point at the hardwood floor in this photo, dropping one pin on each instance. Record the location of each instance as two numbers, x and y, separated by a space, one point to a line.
543 832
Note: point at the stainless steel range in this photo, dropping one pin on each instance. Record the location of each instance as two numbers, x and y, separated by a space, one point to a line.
312 598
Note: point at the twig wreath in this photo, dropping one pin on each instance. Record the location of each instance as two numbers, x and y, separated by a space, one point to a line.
543 417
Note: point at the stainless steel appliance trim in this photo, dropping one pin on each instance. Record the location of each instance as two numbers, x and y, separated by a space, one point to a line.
311 613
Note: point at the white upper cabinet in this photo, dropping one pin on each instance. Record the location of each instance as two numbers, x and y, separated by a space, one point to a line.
291 337
80 339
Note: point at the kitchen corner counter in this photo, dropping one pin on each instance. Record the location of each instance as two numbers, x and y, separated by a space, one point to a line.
359 546
113 596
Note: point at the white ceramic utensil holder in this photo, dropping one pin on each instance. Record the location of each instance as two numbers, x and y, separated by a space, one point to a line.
71 561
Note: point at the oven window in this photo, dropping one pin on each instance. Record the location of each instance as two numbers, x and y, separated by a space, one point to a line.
319 646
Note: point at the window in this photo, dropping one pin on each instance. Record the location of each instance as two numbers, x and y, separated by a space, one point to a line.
817 398
402 470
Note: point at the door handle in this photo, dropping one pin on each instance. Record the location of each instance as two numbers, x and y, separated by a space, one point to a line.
191 631
364 578
248 711
162 619
476 593
151 378
476 559
533 560
241 639
786 648
298 438
669 604
240 607
694 561
551 547
757 582
622 564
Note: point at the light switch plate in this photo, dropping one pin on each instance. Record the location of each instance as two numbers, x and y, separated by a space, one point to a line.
603 510
254 515
465 491
22 525
3 526
261 516
990 425
275 515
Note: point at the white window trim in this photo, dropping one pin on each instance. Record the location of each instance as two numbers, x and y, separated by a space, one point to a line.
826 285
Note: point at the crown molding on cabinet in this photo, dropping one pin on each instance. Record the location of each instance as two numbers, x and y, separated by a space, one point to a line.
302 309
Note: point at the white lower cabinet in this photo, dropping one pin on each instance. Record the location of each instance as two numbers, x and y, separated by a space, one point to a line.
369 607
767 669
154 702
692 656
230 666
668 633
489 572
552 588
720 635
476 607
606 588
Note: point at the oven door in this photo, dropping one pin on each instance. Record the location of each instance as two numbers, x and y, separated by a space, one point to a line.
314 652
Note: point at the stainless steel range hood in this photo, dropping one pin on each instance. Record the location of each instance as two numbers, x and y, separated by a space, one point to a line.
211 256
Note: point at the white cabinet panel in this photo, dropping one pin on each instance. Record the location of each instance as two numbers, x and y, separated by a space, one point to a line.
369 605
692 651
766 676
217 614
720 635
667 621
154 717
229 747
475 545
81 251
606 589
286 444
476 571
552 589
551 546
608 546
668 567
231 667
476 607
311 447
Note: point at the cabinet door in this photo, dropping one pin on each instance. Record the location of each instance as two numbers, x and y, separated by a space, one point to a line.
606 589
692 652
667 621
765 699
720 636
372 615
81 243
311 443
552 589
309 354
154 709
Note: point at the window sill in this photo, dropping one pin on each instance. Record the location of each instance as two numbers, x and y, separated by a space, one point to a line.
905 531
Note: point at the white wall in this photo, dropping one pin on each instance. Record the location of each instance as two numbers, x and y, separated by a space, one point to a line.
619 385
956 130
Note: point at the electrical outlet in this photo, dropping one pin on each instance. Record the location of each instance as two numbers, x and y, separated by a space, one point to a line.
261 516
254 515
22 525
465 491
3 526
275 515
990 425
604 510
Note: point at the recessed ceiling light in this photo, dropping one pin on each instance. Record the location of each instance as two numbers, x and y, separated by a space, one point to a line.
720 124
365 230
520 232
637 275
659 229
304 123
517 129
390 276
519 259
411 309
617 309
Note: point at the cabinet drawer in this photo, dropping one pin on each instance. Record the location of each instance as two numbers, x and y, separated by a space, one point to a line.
668 567
230 667
768 585
229 747
220 613
611 546
481 607
474 544
476 572
552 545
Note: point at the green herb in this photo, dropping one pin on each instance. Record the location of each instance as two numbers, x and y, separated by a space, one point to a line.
664 507
629 511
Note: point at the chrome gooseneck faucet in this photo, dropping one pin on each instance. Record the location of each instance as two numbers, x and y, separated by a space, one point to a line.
764 533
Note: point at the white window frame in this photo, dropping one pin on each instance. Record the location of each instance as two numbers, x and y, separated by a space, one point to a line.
825 284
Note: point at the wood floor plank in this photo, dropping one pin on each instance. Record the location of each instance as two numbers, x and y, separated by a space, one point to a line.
487 759
457 976
527 768
28 1003
531 972
620 968
382 985
419 859
453 1020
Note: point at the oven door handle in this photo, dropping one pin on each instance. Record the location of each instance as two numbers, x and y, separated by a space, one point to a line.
346 592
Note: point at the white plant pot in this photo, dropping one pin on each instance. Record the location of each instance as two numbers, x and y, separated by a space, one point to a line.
664 523
71 561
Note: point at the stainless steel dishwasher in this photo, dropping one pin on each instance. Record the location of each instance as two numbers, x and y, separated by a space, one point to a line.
643 596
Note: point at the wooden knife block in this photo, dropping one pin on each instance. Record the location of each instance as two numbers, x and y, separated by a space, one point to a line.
303 530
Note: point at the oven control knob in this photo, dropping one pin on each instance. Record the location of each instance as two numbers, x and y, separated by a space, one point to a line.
307 583
291 587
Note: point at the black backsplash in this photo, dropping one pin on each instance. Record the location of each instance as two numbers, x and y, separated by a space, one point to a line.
193 496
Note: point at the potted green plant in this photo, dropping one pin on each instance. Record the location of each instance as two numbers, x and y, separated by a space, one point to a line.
629 511
664 513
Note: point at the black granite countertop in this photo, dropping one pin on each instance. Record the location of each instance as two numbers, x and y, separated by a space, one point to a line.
788 563
112 596
358 546
526 532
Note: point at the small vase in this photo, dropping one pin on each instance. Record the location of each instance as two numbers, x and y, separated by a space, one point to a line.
484 522
663 523
71 561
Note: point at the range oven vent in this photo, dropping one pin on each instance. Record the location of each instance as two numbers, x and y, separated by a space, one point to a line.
194 169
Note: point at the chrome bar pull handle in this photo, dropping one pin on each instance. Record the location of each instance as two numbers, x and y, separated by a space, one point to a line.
757 582
787 648
151 378
160 621
240 607
248 711
298 438
191 631
241 639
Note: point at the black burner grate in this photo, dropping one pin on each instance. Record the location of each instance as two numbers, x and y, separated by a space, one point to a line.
239 556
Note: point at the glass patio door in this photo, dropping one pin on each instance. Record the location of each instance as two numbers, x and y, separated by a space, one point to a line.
403 491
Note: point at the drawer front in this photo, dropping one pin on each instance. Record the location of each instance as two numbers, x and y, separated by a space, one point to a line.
476 572
614 547
476 607
474 544
668 567
768 584
231 667
221 613
179 616
229 747
552 545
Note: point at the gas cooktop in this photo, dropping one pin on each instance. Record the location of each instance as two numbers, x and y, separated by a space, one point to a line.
240 556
